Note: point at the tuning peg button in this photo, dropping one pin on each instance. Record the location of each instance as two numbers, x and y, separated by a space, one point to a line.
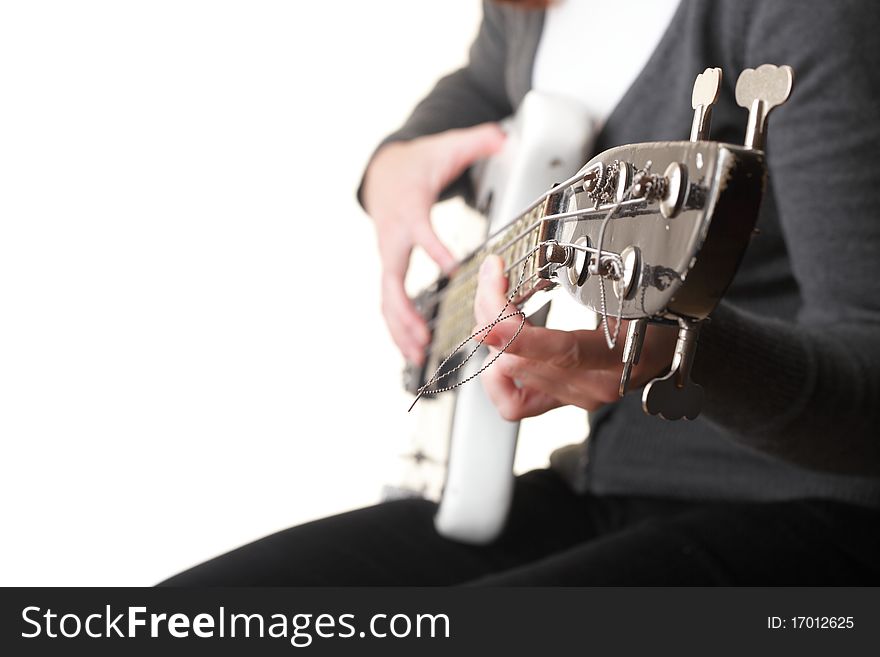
675 396
707 87
760 90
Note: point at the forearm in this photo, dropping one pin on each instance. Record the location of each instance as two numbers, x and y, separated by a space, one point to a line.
806 395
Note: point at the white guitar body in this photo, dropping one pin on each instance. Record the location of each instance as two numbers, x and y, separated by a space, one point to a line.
548 140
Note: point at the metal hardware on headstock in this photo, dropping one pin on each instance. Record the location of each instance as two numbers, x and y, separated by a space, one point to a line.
675 395
695 220
632 350
760 90
707 87
558 255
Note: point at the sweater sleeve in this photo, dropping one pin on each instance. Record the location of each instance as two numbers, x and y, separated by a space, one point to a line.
471 95
808 391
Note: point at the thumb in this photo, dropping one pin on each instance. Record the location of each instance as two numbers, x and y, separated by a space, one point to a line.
491 297
467 145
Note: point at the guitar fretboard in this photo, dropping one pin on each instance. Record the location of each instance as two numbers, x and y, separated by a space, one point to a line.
516 244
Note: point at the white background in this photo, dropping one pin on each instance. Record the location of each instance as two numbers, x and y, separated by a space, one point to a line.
191 350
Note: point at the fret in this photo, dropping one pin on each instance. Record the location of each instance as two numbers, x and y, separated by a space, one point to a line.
456 312
516 244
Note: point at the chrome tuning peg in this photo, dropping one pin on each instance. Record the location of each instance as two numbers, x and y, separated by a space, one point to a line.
675 396
707 86
632 351
760 90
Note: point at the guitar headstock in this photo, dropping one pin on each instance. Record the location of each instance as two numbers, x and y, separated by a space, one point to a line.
656 231
681 213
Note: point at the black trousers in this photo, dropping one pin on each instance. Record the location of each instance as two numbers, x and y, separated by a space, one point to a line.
555 537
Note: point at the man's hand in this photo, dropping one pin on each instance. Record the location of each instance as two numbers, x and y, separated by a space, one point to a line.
546 368
401 184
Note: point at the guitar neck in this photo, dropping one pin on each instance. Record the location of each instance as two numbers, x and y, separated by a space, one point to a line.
517 244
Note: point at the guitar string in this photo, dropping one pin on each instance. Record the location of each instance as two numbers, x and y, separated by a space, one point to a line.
437 376
611 261
564 217
512 266
578 177
507 270
607 259
484 331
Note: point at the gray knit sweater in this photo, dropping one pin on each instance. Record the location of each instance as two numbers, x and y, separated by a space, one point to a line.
791 358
